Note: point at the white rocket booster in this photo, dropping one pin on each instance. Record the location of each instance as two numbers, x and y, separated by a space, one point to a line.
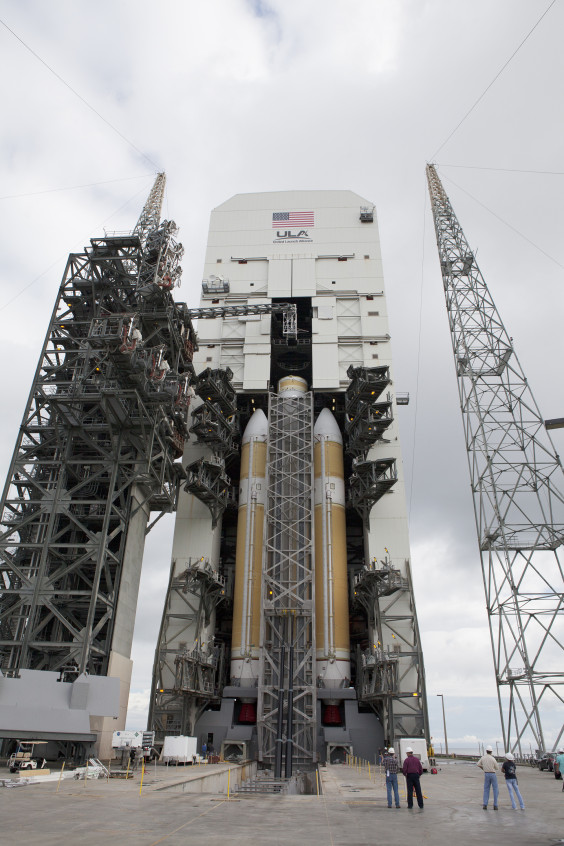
331 589
248 564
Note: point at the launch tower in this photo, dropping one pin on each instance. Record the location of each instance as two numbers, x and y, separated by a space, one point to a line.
289 631
96 453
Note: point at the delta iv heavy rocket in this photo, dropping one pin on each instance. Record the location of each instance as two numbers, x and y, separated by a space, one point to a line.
290 634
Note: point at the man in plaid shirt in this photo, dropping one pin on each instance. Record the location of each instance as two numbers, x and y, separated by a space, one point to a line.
391 766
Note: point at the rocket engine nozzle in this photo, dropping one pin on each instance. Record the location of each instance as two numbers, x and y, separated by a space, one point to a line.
332 715
248 713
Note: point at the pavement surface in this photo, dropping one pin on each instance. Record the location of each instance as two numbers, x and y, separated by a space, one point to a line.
352 810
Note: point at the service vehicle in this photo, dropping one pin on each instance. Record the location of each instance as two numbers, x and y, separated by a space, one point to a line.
419 746
546 761
24 759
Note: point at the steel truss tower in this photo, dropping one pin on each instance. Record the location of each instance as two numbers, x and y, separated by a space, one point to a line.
103 427
150 217
287 616
516 479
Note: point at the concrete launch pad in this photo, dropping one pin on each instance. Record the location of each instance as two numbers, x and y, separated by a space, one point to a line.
352 811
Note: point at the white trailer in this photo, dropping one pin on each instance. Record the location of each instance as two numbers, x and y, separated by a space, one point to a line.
133 739
419 746
181 749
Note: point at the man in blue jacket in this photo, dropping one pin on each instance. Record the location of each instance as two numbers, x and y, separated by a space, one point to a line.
412 770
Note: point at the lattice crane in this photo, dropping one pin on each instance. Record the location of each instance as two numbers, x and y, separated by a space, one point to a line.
517 482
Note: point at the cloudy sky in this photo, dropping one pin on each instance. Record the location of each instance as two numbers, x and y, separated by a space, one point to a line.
232 96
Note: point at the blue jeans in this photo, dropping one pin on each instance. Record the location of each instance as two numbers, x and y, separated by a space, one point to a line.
392 782
514 791
490 780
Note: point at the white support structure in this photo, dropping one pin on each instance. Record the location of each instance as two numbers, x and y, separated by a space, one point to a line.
293 289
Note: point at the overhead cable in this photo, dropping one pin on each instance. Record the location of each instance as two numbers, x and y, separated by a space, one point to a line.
498 74
80 97
61 257
506 169
532 243
72 187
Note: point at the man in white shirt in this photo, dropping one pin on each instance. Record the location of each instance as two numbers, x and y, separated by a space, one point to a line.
489 765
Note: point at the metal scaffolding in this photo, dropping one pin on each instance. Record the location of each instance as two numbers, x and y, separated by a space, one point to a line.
366 421
104 421
287 662
368 483
207 481
391 678
288 311
187 674
368 425
366 385
214 423
516 479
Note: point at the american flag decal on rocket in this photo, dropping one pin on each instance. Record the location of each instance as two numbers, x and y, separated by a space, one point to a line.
299 218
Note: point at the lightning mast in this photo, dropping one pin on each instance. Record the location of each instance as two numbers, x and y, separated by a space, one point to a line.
150 216
516 479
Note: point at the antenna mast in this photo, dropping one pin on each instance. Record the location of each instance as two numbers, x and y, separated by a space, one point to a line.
150 217
516 479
